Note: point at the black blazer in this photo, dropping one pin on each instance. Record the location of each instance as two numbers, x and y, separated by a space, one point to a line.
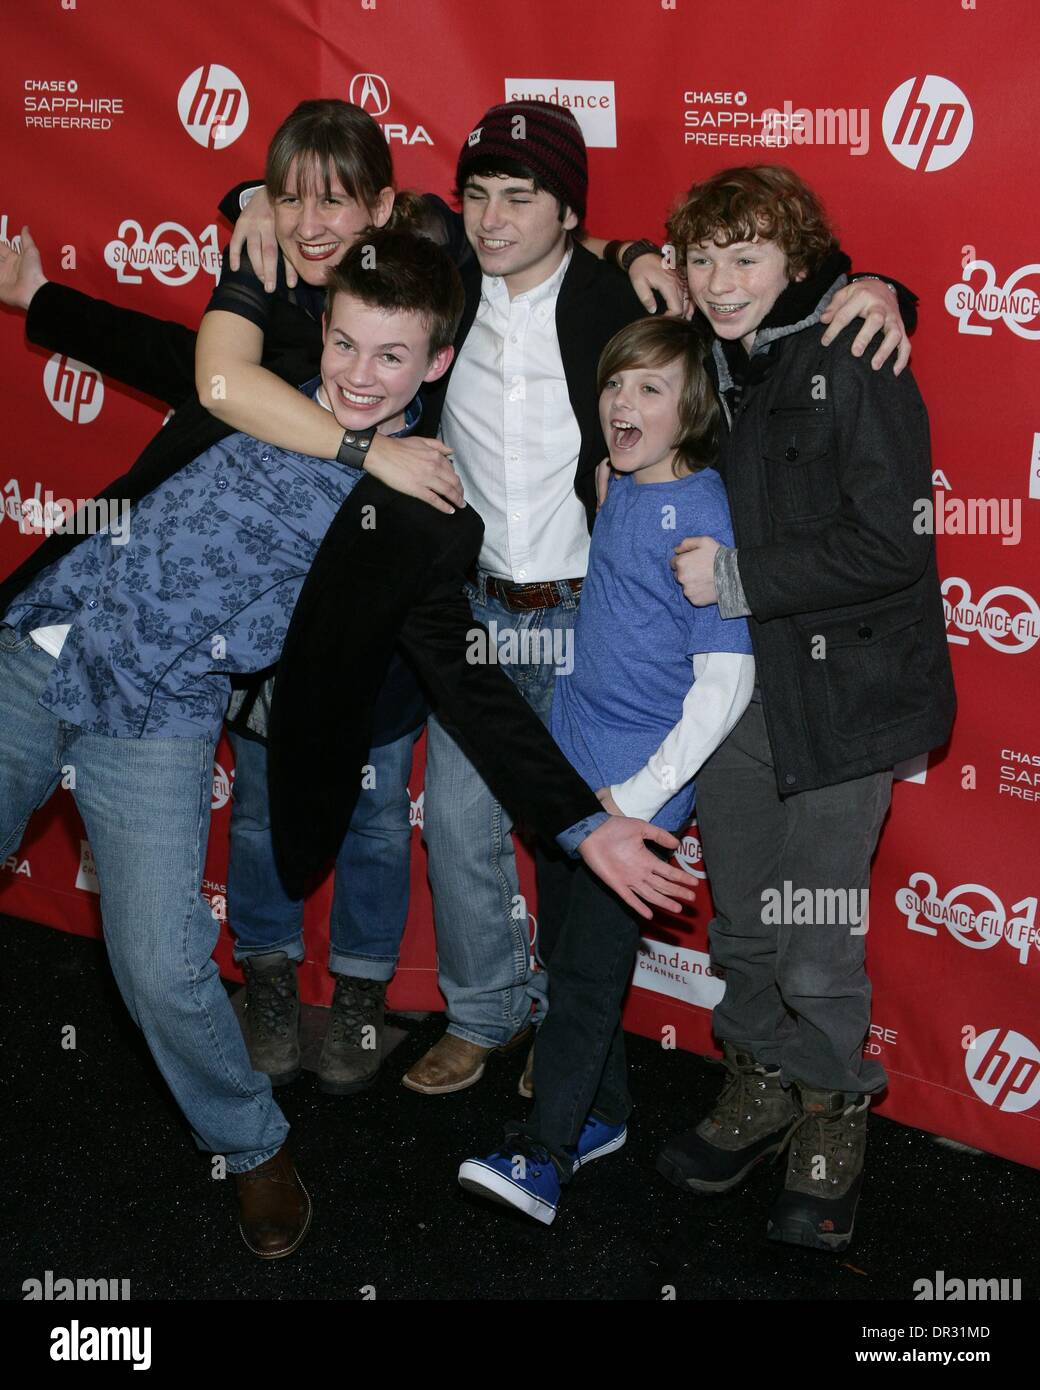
405 575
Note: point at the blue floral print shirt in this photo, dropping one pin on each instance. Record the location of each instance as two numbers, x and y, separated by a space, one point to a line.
204 586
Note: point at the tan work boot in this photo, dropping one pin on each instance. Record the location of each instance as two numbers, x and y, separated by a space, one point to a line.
453 1064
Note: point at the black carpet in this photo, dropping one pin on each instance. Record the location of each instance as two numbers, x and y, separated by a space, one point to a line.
101 1179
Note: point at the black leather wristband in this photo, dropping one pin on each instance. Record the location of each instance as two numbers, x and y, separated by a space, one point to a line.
637 249
354 448
610 252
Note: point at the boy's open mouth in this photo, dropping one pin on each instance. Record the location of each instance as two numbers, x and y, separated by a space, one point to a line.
624 435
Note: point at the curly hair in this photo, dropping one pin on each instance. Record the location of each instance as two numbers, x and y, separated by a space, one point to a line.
763 200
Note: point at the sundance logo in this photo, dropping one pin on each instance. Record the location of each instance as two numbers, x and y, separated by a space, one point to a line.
927 123
75 390
1004 1069
1011 303
1006 618
592 104
678 971
169 252
213 106
972 913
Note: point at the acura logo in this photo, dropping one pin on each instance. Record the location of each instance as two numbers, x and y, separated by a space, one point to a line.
369 91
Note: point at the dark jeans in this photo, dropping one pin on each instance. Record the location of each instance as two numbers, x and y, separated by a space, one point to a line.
797 994
587 939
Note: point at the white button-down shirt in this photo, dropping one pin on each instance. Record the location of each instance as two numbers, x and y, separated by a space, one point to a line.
508 418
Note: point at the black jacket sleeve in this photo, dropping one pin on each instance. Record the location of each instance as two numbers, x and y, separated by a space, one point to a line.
484 711
152 355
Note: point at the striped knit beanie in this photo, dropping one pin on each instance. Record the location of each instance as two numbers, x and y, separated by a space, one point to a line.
543 137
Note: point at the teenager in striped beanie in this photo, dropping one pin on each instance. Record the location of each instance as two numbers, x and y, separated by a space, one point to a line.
533 140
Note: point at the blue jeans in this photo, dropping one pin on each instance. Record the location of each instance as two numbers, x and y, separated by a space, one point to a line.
145 804
370 898
483 940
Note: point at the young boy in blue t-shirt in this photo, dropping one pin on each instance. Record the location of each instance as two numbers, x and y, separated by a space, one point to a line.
657 685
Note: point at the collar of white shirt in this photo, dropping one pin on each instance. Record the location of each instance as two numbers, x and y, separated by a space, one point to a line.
493 288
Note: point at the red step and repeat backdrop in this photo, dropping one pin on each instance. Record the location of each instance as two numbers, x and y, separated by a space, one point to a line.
916 122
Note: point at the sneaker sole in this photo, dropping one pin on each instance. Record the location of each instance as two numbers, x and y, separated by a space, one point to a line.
671 1170
610 1147
483 1181
804 1233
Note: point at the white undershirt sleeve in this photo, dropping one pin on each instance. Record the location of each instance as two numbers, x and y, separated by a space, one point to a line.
721 692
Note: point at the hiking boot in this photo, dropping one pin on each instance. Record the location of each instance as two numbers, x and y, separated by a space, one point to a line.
272 1016
750 1122
824 1171
353 1050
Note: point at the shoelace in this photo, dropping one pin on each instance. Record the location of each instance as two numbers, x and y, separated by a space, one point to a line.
521 1146
822 1133
354 1006
731 1106
271 998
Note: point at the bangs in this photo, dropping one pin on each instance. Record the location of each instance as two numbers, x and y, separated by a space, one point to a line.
315 172
635 354
324 141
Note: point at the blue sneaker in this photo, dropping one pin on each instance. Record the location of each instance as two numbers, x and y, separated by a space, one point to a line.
597 1139
518 1175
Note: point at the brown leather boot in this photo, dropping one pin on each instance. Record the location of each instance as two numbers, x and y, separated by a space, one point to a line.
453 1064
273 1207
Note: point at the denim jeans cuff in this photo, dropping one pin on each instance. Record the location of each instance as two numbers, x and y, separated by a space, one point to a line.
246 1165
362 967
292 946
479 1039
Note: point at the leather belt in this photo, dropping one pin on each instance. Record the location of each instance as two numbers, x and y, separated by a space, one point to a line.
522 598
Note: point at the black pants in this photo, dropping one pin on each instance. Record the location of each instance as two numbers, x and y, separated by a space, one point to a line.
587 939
